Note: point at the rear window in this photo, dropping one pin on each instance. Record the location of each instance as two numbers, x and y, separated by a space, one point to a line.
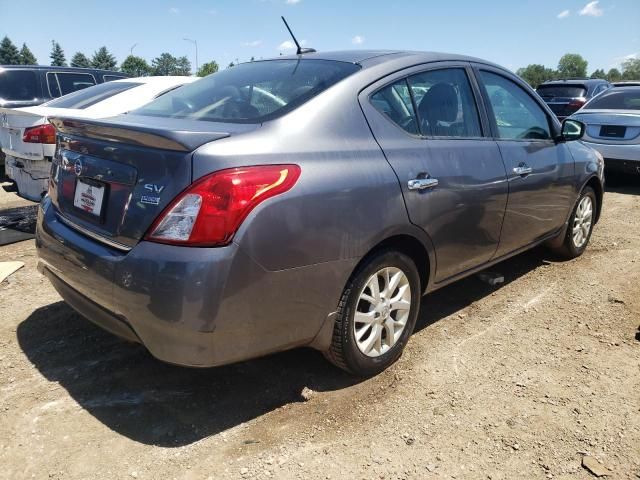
624 99
62 83
18 85
250 92
570 91
90 96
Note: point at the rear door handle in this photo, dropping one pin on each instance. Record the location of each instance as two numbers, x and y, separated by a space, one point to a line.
522 170
422 183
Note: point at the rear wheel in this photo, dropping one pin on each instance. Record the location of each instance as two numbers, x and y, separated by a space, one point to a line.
376 315
580 225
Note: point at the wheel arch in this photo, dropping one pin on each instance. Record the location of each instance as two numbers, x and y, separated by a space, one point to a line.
596 185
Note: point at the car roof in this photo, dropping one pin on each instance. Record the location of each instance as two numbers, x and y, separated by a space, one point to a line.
574 81
50 68
368 58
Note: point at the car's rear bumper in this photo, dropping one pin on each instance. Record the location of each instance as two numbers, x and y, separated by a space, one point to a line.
620 152
188 306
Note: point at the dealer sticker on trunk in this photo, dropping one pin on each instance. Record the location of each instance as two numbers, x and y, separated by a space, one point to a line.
89 197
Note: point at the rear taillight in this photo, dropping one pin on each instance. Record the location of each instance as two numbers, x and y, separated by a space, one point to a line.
40 134
577 103
210 211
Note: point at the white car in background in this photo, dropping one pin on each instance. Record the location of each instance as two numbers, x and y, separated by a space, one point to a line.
612 122
28 139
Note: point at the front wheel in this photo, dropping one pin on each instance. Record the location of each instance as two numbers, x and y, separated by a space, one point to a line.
580 225
376 315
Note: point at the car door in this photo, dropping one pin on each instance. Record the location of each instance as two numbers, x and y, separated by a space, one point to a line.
540 169
427 121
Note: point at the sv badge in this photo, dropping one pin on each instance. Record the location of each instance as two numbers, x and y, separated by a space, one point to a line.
152 187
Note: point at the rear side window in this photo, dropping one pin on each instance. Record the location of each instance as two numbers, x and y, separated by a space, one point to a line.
90 96
625 99
62 83
16 85
250 92
516 114
445 102
567 91
394 101
110 78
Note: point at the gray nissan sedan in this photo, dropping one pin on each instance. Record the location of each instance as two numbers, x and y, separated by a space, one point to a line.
308 200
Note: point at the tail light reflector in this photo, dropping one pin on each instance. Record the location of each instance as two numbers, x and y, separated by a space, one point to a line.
577 103
41 134
212 209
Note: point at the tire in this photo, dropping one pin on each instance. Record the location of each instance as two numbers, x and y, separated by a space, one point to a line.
574 245
390 322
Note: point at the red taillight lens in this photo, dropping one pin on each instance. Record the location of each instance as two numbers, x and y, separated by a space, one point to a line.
210 211
40 134
577 103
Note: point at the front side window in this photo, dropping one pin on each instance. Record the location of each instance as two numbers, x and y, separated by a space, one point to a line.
445 102
394 102
251 92
516 114
16 85
87 97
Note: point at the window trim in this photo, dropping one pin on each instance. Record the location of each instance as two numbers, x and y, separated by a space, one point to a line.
404 74
66 73
553 128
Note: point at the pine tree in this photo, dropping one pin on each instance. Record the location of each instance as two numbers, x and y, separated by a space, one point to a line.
9 54
26 56
57 55
80 60
103 59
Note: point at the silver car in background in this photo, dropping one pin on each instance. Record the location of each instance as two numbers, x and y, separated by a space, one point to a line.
612 122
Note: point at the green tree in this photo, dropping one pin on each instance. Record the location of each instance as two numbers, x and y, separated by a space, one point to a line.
26 56
614 75
9 54
183 66
599 73
572 65
631 69
103 59
57 55
165 64
534 74
80 60
208 68
135 66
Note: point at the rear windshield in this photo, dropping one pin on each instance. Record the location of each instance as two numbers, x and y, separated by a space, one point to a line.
92 95
18 85
570 91
250 92
623 99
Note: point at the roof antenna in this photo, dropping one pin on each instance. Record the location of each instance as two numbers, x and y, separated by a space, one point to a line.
300 50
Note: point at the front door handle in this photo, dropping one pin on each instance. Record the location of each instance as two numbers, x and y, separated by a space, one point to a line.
422 183
522 169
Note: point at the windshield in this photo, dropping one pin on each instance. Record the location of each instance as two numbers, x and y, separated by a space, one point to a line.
250 92
90 96
571 91
623 99
18 85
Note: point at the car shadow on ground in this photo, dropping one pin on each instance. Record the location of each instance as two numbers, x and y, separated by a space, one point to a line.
626 185
148 401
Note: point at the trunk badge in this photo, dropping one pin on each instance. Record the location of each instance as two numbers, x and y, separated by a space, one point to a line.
77 167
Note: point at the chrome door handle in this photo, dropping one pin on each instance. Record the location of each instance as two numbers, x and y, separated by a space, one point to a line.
422 183
522 170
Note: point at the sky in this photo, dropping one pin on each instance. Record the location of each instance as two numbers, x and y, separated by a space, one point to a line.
512 33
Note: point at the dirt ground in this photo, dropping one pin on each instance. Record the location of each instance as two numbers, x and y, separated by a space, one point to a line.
515 381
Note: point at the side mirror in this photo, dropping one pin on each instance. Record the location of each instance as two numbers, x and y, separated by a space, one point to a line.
572 130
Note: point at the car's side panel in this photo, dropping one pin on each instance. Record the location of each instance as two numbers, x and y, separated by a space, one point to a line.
463 214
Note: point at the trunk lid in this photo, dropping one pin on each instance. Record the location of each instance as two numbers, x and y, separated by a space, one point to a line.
111 179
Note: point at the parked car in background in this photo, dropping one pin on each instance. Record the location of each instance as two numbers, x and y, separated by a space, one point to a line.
613 128
308 200
27 85
565 97
28 139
